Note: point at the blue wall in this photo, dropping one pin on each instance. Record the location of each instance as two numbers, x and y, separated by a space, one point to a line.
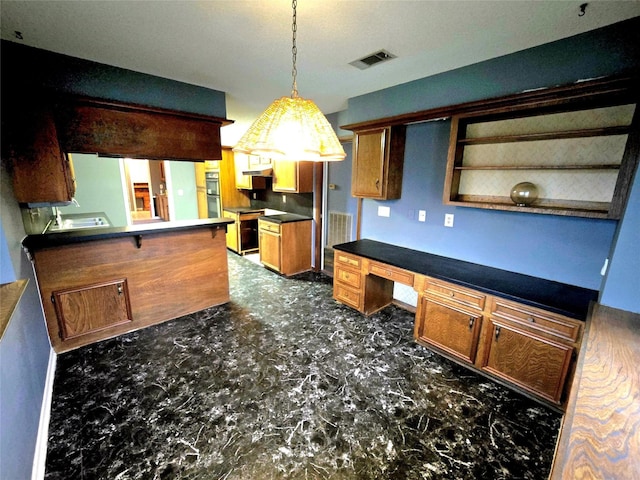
566 249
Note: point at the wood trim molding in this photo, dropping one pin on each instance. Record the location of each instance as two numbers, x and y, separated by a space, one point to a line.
622 87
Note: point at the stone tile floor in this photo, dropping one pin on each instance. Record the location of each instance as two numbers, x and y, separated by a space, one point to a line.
285 383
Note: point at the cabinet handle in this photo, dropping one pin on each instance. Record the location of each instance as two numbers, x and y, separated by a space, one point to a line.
377 183
497 332
472 320
531 319
452 294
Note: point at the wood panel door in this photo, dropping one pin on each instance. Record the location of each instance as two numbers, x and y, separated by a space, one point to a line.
537 364
450 328
91 308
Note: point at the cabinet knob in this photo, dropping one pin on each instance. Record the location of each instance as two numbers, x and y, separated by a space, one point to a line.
497 332
452 294
531 319
472 320
119 289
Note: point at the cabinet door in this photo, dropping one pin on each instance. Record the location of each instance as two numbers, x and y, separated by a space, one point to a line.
270 249
232 232
532 362
294 177
41 171
368 163
448 327
92 308
244 162
378 157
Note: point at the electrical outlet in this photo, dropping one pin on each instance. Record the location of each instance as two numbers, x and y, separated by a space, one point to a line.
254 195
448 220
284 198
422 215
384 211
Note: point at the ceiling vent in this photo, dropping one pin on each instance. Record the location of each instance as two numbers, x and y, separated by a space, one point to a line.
372 59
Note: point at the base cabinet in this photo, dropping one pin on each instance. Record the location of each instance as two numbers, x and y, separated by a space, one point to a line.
526 348
448 327
92 308
285 247
534 363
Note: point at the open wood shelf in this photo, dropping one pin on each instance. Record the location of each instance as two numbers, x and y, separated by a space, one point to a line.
530 137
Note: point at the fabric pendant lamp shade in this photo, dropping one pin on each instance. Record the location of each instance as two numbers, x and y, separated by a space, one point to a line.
292 128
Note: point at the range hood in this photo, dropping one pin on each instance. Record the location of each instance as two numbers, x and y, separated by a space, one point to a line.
258 171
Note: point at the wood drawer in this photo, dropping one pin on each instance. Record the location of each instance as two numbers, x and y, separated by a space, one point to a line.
347 295
269 226
347 259
391 273
348 276
536 320
456 293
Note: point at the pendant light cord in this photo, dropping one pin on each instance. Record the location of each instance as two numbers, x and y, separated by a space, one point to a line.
294 51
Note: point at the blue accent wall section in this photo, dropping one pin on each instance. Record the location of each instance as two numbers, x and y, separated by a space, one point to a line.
621 288
567 249
82 77
607 51
24 353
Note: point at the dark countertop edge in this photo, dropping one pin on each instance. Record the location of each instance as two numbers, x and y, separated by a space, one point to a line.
243 209
285 218
103 233
577 306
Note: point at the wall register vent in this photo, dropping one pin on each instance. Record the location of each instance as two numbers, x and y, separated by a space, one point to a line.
372 59
339 228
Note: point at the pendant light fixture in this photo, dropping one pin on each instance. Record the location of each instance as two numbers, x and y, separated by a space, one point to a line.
292 128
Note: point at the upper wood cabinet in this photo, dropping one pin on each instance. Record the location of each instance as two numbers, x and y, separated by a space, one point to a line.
41 171
88 125
581 158
378 157
292 177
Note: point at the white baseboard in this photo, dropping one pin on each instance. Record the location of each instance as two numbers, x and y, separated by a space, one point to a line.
40 454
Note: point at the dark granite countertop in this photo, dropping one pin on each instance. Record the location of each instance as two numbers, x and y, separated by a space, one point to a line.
561 298
93 234
243 209
285 218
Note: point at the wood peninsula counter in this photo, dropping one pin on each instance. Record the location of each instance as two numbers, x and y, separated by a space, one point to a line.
522 331
103 282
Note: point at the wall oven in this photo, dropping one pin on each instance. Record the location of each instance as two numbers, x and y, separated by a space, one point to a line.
214 205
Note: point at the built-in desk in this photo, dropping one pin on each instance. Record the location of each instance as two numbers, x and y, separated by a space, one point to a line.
520 330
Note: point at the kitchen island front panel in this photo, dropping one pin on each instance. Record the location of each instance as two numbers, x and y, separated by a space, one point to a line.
162 274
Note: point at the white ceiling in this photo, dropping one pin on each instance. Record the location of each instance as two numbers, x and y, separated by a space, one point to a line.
243 47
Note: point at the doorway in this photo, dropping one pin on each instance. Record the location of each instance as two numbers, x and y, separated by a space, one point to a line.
145 182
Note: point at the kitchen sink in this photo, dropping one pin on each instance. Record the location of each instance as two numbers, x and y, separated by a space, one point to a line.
78 223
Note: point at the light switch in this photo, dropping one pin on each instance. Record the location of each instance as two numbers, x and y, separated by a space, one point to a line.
384 211
422 215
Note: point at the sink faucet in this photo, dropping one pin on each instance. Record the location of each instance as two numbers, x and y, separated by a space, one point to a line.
58 216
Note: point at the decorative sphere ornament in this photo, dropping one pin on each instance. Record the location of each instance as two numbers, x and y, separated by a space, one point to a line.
524 194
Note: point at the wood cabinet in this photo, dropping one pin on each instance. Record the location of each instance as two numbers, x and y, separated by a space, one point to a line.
123 281
285 247
292 177
580 158
41 171
242 234
450 318
378 158
243 163
90 125
91 308
530 348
